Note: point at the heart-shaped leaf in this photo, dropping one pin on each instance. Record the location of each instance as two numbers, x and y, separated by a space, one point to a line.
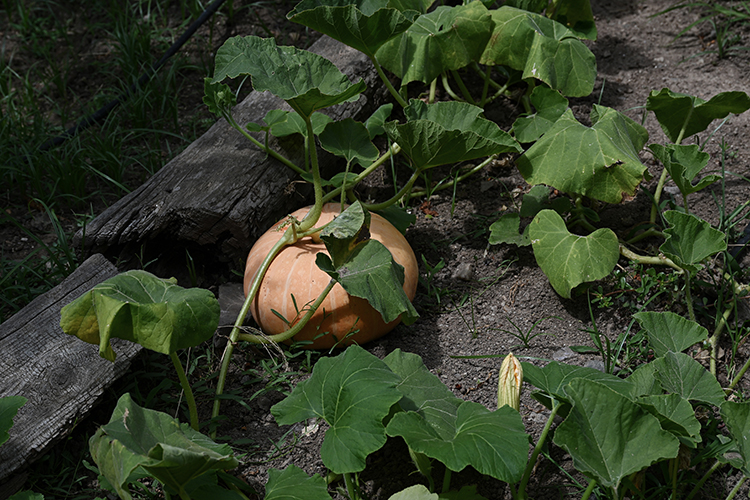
682 115
447 38
684 163
139 307
680 374
458 433
448 132
676 415
543 49
609 436
293 484
689 240
375 123
173 453
352 392
600 161
668 331
549 105
416 492
284 123
364 25
737 418
506 230
350 140
9 406
307 81
569 259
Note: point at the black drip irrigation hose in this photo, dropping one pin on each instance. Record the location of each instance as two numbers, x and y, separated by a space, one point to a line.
103 112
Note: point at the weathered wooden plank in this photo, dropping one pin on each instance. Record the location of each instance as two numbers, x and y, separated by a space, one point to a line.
61 376
221 191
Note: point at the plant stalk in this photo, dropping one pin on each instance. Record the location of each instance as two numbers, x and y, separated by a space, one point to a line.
447 480
189 398
736 488
589 490
462 87
702 480
456 180
387 82
660 260
393 150
537 450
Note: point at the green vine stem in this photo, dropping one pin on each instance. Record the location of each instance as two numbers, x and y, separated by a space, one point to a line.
393 150
447 480
702 480
663 177
736 489
659 260
739 375
387 82
403 192
433 88
189 398
448 89
351 488
713 341
522 495
462 87
457 179
589 490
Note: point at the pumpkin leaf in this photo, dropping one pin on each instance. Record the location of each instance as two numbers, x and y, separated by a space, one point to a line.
353 392
542 49
676 415
668 331
577 16
549 105
218 97
569 259
347 230
293 483
537 199
683 115
375 123
171 452
306 81
689 240
398 217
448 38
364 25
684 163
737 418
139 307
447 132
506 230
285 123
606 452
9 406
416 492
680 374
600 161
350 140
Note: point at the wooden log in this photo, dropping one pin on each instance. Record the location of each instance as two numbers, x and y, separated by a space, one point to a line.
221 192
61 376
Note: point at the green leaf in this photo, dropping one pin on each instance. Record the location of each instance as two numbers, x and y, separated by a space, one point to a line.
506 230
680 374
9 406
28 495
676 415
284 123
350 140
458 433
375 123
218 97
364 267
171 452
737 418
448 132
609 436
600 161
549 105
293 484
569 259
447 38
644 381
689 240
364 25
668 331
577 16
307 81
352 392
537 199
684 163
416 492
542 49
398 217
682 115
139 307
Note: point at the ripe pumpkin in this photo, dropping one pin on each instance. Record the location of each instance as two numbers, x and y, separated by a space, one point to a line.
294 272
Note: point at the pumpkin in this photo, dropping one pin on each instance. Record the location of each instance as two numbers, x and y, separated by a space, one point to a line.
294 273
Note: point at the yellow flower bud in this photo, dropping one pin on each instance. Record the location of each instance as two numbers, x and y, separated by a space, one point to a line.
509 385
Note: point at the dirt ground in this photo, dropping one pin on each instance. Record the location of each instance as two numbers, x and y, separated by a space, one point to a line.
486 291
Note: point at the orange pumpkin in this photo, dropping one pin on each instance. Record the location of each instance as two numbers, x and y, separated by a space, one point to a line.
293 272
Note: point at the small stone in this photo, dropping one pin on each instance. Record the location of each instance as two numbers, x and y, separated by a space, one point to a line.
563 354
464 272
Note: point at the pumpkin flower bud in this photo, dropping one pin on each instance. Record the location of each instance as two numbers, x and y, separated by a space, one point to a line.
509 385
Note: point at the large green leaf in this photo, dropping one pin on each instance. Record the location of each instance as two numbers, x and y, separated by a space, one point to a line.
352 392
676 415
171 452
448 132
609 436
447 38
569 259
363 266
549 105
600 161
350 140
9 406
307 81
139 307
543 49
456 432
416 492
284 123
737 418
689 240
668 331
364 25
644 381
680 374
684 163
293 484
682 115
577 16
